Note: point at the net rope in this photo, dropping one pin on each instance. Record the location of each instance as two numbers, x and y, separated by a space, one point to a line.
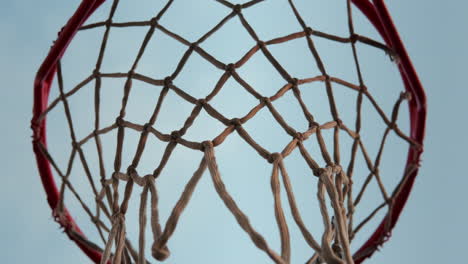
334 181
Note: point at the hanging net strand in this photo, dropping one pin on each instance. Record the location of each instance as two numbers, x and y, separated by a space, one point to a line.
338 197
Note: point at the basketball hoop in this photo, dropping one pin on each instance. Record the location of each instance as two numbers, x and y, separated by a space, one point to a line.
337 194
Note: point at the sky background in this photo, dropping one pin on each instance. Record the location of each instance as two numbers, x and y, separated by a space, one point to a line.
431 228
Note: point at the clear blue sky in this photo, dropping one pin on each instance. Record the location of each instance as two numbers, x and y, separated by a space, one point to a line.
431 228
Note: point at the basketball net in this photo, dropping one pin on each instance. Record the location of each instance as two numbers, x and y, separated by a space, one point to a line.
334 180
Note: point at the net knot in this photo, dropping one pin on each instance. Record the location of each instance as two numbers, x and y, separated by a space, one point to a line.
405 95
275 157
168 81
146 127
237 9
96 73
118 217
325 172
62 97
389 201
201 102
261 44
338 250
314 124
75 145
294 82
154 22
119 121
236 122
299 136
160 252
309 31
36 137
264 100
103 181
339 123
336 169
148 179
61 218
109 22
392 125
363 88
376 171
296 90
175 135
341 174
131 170
193 45
95 219
114 178
229 67
354 38
206 145
35 124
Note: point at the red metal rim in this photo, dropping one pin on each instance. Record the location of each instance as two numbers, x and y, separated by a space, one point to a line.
377 14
